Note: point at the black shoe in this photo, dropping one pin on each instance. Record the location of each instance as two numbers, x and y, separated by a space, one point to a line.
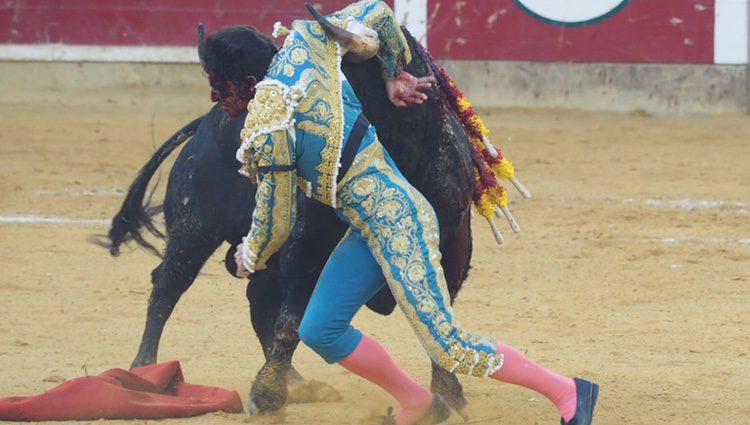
438 412
586 392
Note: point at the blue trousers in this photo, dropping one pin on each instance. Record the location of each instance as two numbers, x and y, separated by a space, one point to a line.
351 277
393 239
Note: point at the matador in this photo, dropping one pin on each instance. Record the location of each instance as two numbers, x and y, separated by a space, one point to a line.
305 129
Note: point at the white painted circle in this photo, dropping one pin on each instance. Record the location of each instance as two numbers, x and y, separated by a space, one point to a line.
571 11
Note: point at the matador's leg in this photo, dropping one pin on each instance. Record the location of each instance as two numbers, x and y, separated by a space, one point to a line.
401 230
349 279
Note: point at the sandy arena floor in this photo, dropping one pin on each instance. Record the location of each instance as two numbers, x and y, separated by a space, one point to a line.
633 267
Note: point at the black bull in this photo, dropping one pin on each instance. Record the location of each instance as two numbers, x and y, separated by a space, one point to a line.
208 202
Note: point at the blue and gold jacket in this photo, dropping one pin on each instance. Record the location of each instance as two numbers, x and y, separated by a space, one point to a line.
300 118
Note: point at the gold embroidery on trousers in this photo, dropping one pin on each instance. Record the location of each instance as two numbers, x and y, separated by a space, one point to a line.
400 225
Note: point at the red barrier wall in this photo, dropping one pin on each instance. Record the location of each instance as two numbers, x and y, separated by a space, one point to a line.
140 22
667 31
679 31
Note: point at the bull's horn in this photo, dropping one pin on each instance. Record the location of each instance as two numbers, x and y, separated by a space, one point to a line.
201 41
359 48
343 36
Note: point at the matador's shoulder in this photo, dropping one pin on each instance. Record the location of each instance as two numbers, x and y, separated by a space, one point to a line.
271 110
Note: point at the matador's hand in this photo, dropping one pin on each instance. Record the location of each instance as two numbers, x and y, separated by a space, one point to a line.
406 89
240 271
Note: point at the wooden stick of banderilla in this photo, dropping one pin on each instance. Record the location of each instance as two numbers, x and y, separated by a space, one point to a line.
493 153
498 236
525 193
504 211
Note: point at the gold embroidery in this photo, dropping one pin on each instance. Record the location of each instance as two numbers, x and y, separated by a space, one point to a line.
298 55
396 216
313 60
288 70
267 108
276 207
260 230
270 111
394 53
317 31
321 111
265 142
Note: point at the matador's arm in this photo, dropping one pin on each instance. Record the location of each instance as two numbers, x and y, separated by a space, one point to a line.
268 151
376 15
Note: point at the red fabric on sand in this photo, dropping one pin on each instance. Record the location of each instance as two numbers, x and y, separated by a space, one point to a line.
147 392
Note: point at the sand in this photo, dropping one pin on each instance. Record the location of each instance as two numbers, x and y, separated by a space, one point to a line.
632 268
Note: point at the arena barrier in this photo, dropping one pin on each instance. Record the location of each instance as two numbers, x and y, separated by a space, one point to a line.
674 56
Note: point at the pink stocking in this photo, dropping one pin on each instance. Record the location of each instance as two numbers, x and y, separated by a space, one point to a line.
370 361
518 369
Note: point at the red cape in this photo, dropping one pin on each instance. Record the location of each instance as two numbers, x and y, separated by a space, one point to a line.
147 392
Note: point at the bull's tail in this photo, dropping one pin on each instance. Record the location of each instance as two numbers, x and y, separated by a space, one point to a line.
134 214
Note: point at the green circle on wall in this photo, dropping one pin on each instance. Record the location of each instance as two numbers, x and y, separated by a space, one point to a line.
571 12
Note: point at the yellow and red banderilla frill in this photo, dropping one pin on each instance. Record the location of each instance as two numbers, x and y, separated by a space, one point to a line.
490 197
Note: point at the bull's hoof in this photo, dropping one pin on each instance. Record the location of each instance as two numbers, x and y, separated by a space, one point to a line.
250 407
266 399
275 417
268 393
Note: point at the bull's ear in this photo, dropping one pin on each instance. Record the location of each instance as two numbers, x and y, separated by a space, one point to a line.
201 43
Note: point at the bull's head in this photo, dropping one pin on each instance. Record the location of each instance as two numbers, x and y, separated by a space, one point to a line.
360 46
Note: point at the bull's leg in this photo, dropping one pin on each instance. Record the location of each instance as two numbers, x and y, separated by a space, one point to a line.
317 232
269 390
184 258
264 299
264 296
456 259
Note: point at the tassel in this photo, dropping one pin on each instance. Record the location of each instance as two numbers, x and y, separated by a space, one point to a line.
489 165
505 170
279 30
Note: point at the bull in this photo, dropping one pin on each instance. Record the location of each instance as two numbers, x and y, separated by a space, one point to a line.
208 203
